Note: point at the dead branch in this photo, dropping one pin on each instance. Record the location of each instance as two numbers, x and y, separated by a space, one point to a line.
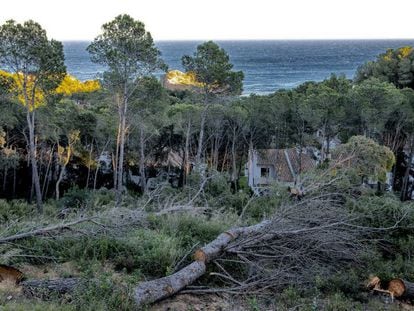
43 231
315 237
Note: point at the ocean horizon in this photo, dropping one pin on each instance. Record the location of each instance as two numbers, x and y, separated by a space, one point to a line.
268 65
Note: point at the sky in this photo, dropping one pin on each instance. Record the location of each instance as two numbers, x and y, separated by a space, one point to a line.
222 19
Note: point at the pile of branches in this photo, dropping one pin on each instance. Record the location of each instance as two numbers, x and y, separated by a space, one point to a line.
112 222
317 236
314 237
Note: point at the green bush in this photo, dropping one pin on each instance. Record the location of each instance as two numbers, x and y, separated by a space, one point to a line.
266 205
338 302
101 198
348 282
103 294
75 197
16 209
153 253
192 229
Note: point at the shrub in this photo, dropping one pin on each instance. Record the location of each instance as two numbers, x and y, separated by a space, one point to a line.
104 294
14 210
75 197
192 229
152 252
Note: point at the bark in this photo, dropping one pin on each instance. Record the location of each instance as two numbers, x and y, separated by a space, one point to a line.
62 172
201 136
217 143
233 158
123 112
89 167
47 179
328 147
407 172
30 117
186 162
95 178
223 164
4 179
45 289
152 291
14 182
142 160
43 231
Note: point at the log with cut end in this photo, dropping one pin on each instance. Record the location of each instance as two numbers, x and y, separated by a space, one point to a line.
10 273
152 291
44 289
400 288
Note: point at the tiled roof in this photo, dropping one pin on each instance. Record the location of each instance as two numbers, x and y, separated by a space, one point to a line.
288 163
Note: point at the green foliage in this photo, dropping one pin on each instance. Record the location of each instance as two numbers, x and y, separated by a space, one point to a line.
193 229
75 198
349 283
25 49
127 49
338 302
104 294
212 67
289 297
14 210
366 158
153 253
394 66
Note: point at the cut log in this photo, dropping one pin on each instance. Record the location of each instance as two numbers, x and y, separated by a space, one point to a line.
44 289
152 291
10 274
401 288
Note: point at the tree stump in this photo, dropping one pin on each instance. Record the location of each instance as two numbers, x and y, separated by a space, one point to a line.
10 274
400 288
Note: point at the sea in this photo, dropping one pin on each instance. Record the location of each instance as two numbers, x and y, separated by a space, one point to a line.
267 65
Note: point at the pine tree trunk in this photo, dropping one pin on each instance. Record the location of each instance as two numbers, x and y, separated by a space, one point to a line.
142 160
116 158
30 117
404 188
89 167
62 171
186 164
201 136
233 159
119 188
14 182
4 179
47 178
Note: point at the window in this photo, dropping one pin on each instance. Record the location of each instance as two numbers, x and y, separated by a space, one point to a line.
264 172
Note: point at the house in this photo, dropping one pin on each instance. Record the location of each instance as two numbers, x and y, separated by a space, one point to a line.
266 166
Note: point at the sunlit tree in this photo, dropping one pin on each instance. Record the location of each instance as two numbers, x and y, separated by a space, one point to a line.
38 65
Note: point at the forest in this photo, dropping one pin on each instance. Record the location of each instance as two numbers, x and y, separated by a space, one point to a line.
122 193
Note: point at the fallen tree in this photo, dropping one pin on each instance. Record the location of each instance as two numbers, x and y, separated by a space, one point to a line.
313 237
400 288
151 291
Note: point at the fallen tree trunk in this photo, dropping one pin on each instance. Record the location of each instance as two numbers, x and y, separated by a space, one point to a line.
44 289
400 288
152 291
43 231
